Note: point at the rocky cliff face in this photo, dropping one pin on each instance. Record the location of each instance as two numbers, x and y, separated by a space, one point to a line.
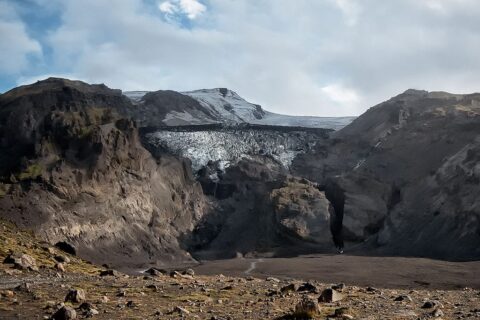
75 171
407 172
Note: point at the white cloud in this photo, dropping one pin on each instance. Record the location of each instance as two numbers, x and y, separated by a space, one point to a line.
167 7
294 57
340 94
15 44
191 8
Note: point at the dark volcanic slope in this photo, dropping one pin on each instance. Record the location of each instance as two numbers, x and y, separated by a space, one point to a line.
74 171
408 173
156 106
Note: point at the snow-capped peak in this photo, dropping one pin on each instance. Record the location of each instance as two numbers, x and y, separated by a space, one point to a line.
223 105
227 105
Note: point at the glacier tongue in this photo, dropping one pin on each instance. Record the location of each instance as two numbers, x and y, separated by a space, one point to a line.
229 145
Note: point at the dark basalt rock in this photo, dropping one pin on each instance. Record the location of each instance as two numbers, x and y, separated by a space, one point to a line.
66 151
66 247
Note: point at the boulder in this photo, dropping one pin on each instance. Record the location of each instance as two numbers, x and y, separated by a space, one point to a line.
109 272
21 261
330 295
65 313
302 211
307 308
189 272
60 267
155 272
292 287
308 287
75 296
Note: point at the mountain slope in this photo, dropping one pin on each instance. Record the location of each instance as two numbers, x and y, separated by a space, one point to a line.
406 170
222 105
74 170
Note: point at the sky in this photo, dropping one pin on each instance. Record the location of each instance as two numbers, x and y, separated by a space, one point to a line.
299 57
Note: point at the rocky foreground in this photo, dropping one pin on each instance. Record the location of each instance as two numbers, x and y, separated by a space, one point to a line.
38 281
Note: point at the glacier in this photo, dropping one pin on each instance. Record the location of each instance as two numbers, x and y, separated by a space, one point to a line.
231 144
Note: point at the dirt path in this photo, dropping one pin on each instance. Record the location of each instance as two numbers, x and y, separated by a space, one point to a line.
253 266
386 272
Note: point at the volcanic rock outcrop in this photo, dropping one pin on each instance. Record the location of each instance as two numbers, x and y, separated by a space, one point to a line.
74 170
408 170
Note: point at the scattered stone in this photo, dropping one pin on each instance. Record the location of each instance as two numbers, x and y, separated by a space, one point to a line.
9 272
152 286
307 308
330 295
290 287
50 250
339 286
308 287
104 299
404 297
189 272
24 287
75 296
175 274
371 289
88 309
109 272
92 312
21 261
272 279
65 313
60 267
437 313
430 304
121 293
271 293
155 272
227 288
180 310
131 304
62 259
9 294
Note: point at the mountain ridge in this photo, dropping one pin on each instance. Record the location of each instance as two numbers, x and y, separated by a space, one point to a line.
222 105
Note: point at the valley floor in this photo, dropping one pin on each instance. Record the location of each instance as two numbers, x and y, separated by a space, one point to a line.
384 272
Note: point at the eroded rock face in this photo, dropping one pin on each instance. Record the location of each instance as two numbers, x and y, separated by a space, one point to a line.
241 220
407 169
302 210
75 171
